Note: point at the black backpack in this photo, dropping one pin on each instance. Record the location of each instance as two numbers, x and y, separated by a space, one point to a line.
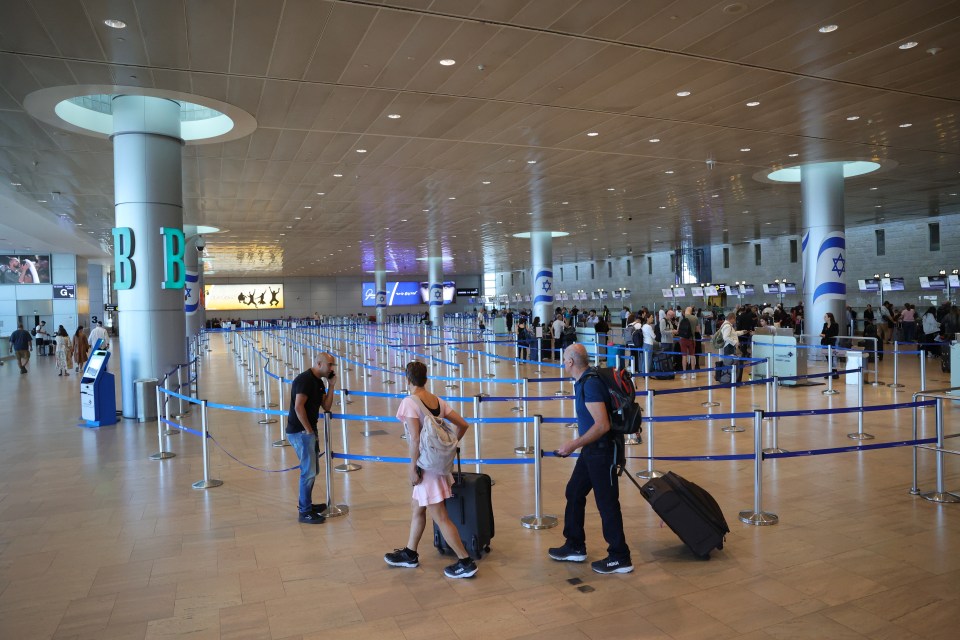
684 331
637 337
33 332
625 413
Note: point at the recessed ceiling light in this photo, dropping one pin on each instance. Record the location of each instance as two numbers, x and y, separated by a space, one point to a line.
852 118
611 189
683 94
394 116
297 218
792 155
452 198
668 171
283 234
753 103
745 149
828 28
499 222
361 150
338 175
662 207
403 220
486 182
16 184
906 124
448 62
564 202
654 140
115 24
593 133
42 201
531 162
321 193
716 195
308 207
908 45
873 188
288 227
425 210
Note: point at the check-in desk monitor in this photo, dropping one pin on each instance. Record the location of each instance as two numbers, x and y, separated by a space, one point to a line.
98 398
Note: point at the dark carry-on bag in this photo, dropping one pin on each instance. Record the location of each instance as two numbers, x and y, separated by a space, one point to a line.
688 510
662 365
471 510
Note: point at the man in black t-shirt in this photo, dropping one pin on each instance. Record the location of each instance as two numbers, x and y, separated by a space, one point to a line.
308 395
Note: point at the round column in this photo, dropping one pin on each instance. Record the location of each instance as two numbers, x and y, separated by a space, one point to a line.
824 244
380 282
541 272
148 196
435 296
196 314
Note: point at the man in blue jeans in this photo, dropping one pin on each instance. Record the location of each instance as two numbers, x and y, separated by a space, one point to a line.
596 470
308 395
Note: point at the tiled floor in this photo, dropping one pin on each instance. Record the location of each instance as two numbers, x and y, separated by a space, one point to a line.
98 541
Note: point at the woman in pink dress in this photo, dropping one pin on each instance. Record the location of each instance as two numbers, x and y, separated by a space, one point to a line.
430 489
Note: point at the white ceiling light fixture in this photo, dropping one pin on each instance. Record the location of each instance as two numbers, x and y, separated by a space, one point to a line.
682 94
308 207
906 124
654 140
593 134
338 175
745 149
485 182
669 172
792 155
321 193
394 116
115 24
828 28
908 45
852 118
531 162
753 103
448 62
361 150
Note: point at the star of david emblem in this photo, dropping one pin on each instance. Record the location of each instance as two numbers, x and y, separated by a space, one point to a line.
186 293
437 293
546 286
839 265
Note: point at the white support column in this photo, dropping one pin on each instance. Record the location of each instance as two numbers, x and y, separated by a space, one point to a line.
541 275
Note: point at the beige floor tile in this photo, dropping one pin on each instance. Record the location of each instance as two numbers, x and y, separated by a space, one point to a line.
327 610
429 625
144 605
85 616
682 620
737 610
866 623
827 582
625 625
260 585
379 629
934 621
491 617
815 625
244 622
385 599
547 606
122 577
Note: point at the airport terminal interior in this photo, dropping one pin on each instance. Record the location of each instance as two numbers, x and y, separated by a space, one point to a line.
319 175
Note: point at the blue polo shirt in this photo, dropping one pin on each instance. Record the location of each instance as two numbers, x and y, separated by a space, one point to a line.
588 389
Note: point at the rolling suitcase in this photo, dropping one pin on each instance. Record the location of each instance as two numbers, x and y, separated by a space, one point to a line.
471 510
723 376
688 510
662 364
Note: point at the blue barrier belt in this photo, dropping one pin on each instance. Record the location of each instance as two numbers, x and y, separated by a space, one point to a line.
732 456
250 466
703 416
351 456
177 425
879 407
855 447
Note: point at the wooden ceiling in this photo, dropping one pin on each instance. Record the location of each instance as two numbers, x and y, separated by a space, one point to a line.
532 79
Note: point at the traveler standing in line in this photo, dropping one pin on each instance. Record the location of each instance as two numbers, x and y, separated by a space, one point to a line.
908 322
430 489
624 314
99 333
649 340
509 320
686 331
830 331
63 347
81 347
523 338
40 332
310 392
885 326
595 470
556 329
22 344
931 329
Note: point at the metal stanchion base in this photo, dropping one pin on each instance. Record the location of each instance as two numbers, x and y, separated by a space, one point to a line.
336 510
494 362
632 439
163 455
543 522
280 443
560 392
388 382
523 451
896 387
450 386
774 450
483 394
347 467
731 429
516 409
860 436
181 415
207 484
914 491
572 425
760 519
258 393
944 497
829 392
171 432
348 402
877 383
369 375
489 375
267 421
272 404
649 475
709 404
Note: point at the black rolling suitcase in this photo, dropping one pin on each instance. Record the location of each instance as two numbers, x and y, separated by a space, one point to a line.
688 510
662 365
471 510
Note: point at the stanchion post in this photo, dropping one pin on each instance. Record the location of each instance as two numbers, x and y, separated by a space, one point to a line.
161 454
525 449
476 433
181 412
537 520
266 399
895 385
649 472
758 516
860 435
775 445
709 402
732 428
941 495
207 482
347 465
914 489
170 431
829 391
333 509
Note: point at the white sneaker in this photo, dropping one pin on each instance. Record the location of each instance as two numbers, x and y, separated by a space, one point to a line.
693 376
683 376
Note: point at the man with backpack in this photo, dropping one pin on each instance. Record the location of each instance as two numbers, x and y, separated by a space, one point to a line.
601 452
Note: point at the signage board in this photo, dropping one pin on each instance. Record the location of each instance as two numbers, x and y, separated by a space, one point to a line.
470 292
234 297
24 269
64 291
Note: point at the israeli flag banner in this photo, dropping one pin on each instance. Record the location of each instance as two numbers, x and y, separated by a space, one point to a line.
831 265
191 292
543 286
381 299
436 294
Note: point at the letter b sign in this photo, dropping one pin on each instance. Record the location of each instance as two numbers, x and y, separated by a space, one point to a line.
125 270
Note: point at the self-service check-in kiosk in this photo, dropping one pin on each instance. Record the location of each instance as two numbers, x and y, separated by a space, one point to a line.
98 396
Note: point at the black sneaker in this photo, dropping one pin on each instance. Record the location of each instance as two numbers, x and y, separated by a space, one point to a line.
311 518
23 369
319 508
402 558
609 565
568 553
462 568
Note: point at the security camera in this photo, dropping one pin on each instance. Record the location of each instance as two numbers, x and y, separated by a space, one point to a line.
630 219
201 244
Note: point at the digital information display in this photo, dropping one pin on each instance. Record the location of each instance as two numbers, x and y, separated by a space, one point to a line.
893 284
469 292
236 297
933 282
870 284
64 291
405 293
25 269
